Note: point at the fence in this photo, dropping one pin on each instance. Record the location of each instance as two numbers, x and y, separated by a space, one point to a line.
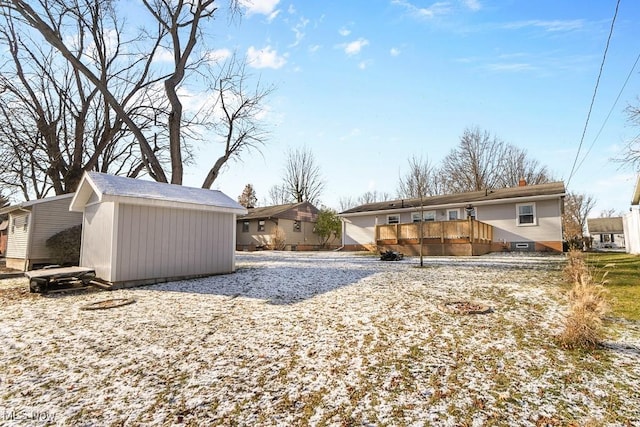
459 231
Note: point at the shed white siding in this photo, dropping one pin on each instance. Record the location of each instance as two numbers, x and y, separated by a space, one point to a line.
160 243
97 249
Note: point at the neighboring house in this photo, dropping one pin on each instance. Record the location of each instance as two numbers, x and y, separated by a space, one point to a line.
141 232
606 232
631 222
29 226
4 231
286 227
527 217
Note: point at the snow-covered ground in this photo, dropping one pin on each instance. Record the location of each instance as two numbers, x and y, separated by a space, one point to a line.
316 339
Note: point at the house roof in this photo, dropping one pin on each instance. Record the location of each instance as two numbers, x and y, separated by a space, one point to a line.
611 225
30 203
529 192
111 188
276 211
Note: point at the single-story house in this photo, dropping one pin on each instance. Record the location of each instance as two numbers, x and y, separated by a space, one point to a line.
606 232
141 232
523 218
285 227
631 222
29 226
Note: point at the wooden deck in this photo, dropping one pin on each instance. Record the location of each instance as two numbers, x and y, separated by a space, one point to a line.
457 238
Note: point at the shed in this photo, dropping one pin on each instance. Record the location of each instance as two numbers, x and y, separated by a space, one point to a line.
29 226
142 232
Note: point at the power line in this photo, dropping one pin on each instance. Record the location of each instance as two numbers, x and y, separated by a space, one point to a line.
610 111
595 91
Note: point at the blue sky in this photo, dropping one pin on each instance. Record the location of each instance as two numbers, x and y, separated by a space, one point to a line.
367 84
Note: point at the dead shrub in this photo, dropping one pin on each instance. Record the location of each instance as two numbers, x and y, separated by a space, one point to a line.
588 305
278 239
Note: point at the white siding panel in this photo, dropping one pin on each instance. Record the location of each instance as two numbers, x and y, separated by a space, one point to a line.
360 230
17 235
97 239
47 219
168 242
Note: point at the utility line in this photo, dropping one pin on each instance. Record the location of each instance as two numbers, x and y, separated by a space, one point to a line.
610 111
595 91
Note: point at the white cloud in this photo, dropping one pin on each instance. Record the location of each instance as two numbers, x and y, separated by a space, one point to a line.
163 55
364 64
344 32
217 55
510 67
265 58
298 30
550 26
260 7
314 48
438 8
472 4
354 47
394 51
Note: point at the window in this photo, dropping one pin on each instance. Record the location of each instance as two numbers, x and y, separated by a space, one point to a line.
393 219
427 216
261 225
245 226
12 224
26 222
297 226
453 214
526 213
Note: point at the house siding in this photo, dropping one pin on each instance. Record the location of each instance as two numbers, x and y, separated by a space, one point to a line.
159 243
631 224
503 218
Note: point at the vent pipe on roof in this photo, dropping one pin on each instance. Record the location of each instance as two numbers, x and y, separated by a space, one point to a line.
522 182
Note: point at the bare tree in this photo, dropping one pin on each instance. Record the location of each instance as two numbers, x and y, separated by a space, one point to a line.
302 177
482 161
278 195
577 208
475 164
418 181
177 29
631 152
54 115
518 165
417 184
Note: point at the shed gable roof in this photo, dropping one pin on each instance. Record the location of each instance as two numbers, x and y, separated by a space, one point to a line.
550 190
150 193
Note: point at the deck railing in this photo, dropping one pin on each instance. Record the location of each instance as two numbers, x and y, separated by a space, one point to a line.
471 231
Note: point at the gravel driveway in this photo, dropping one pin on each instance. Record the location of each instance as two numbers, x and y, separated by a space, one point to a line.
316 339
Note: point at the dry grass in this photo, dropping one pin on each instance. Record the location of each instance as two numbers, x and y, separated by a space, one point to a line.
588 305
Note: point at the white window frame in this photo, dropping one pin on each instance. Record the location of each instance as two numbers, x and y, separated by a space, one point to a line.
389 221
519 215
457 211
245 226
261 225
426 216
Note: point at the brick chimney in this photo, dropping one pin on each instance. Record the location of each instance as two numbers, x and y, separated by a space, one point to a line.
522 182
